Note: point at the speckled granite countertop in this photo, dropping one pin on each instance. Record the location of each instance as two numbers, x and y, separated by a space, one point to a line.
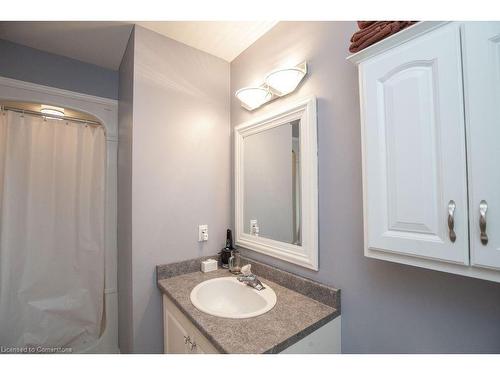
293 317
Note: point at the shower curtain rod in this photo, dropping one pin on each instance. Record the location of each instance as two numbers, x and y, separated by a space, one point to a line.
36 113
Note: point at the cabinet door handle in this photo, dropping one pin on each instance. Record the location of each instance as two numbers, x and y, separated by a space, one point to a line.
187 341
192 345
483 207
451 220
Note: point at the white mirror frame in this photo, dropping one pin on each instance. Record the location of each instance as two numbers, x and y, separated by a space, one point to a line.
305 255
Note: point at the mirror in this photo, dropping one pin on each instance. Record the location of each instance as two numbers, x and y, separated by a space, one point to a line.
276 184
271 183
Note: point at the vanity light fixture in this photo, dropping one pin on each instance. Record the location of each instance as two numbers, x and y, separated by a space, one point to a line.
52 111
278 83
253 97
284 81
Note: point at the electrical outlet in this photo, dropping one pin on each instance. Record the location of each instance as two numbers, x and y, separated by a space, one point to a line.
202 233
254 227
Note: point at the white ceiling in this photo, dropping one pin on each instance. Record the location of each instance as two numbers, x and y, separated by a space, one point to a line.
224 39
103 43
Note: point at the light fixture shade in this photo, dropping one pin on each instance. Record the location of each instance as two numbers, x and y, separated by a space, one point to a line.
284 81
253 97
53 111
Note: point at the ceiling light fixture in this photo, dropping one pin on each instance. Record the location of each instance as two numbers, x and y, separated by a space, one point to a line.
278 83
253 97
52 111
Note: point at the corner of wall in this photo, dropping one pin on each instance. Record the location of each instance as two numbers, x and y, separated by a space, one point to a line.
125 123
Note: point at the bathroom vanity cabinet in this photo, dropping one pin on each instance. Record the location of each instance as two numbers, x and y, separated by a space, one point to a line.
304 318
430 126
182 337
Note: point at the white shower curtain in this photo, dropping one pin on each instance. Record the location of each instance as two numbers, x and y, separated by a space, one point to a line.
51 232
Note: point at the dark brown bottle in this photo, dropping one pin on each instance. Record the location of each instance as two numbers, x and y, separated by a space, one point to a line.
225 253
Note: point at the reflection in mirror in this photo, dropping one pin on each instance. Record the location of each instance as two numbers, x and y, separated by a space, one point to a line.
271 184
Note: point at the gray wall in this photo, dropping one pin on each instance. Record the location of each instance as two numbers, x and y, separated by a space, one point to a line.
180 139
125 120
36 66
386 307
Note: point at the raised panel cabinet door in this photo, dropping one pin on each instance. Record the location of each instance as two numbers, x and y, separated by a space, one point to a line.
414 153
174 332
481 51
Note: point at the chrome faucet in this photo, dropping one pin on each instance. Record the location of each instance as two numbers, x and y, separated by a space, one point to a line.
250 279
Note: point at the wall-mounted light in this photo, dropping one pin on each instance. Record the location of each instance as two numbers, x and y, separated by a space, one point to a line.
253 97
284 81
278 83
52 111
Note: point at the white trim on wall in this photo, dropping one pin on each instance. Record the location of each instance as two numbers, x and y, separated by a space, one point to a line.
305 255
106 110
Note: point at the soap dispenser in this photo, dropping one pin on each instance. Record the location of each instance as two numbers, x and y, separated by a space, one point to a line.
235 263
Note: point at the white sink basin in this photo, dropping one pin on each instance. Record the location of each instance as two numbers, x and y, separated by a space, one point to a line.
226 297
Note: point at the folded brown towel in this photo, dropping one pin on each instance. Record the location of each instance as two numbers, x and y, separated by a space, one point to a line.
369 31
364 24
374 32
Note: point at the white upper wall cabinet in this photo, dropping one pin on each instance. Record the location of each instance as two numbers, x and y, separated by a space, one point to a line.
414 140
481 53
428 160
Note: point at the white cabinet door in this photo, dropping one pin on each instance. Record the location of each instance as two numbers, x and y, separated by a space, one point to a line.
414 156
175 334
180 335
481 53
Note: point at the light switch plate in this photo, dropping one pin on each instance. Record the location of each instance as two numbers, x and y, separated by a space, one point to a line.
202 233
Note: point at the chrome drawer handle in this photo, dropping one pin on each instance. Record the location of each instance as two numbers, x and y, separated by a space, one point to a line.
451 220
483 207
